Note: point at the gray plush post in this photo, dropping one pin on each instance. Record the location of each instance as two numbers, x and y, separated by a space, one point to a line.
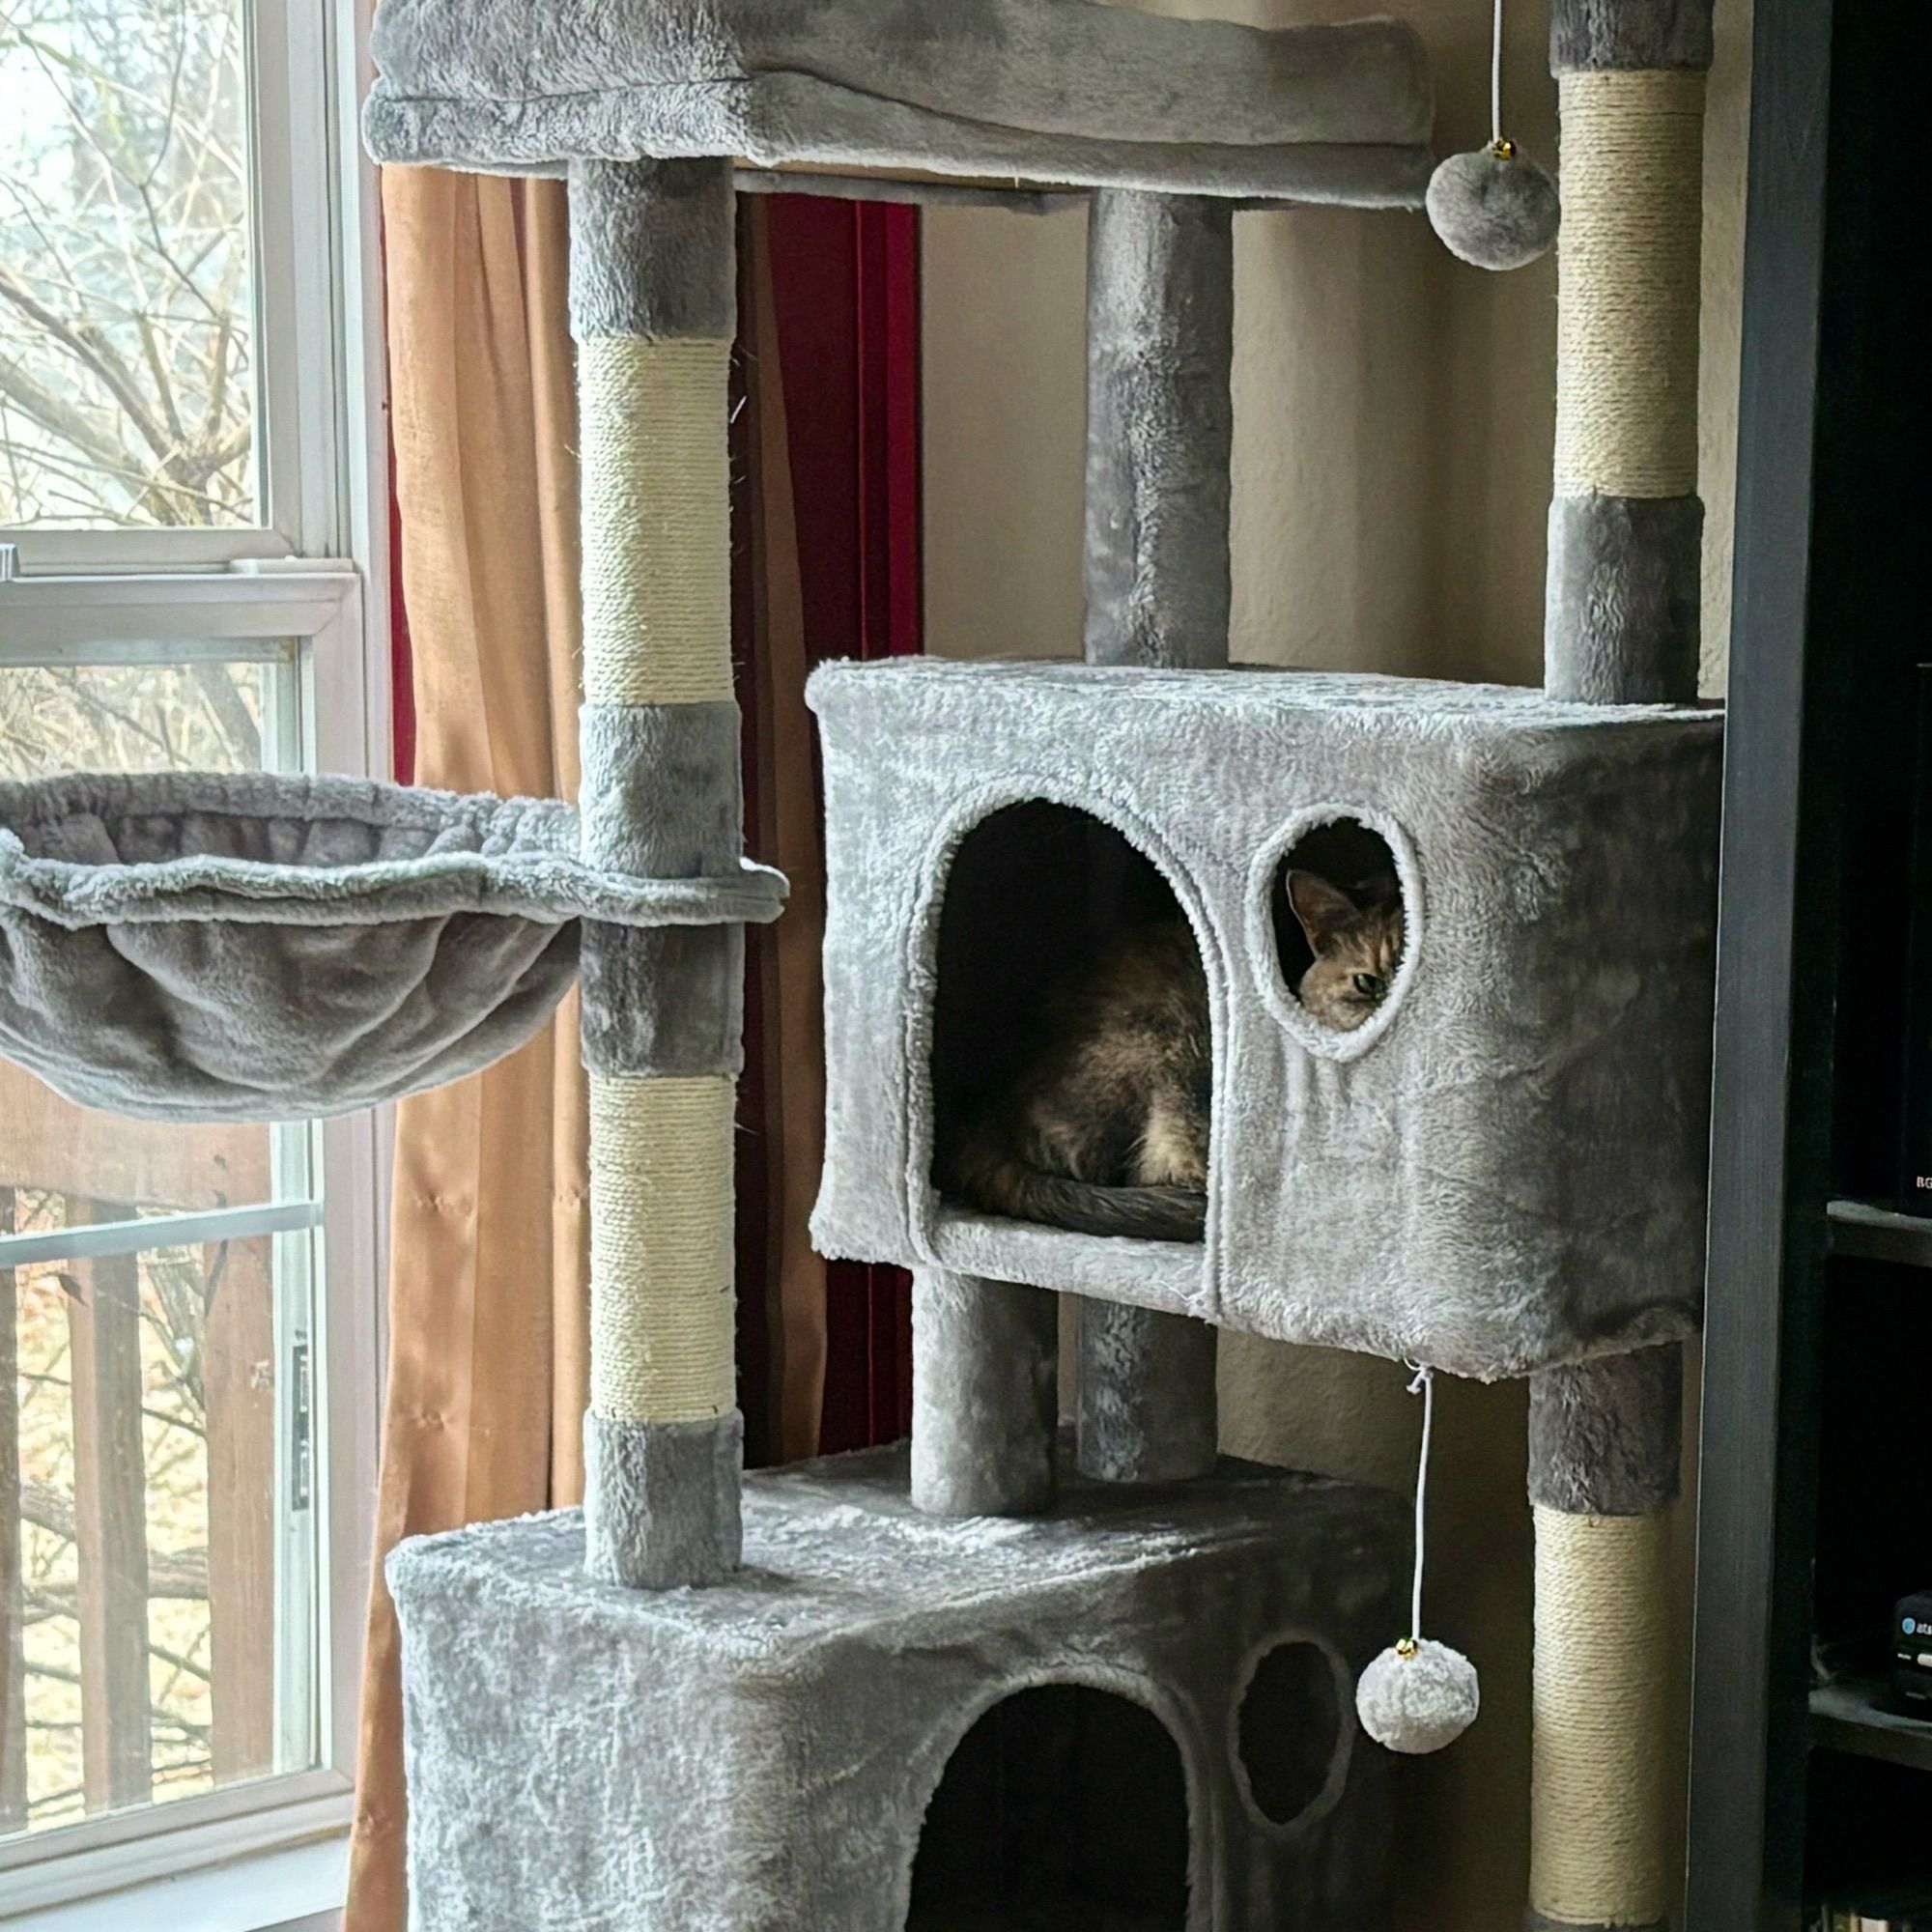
652 301
1161 433
986 1395
1160 429
1606 1436
1147 1412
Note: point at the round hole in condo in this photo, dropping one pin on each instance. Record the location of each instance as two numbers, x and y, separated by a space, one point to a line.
1064 1805
1336 908
1289 1730
1071 1033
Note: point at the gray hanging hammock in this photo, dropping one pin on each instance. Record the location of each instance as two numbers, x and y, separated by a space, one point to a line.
192 947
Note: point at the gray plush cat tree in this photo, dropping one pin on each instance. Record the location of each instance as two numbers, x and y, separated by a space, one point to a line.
1501 1175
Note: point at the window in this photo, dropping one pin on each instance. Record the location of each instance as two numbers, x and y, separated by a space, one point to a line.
187 1314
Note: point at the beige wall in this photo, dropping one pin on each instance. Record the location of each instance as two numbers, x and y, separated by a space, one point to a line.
1392 462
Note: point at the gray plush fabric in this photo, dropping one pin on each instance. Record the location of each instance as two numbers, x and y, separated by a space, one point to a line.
660 792
1494 210
1502 1171
206 947
1586 34
662 1501
1147 1406
668 1003
1606 1437
661 795
984 1395
1160 421
1054 91
1160 427
758 1757
651 249
1623 594
1419 1703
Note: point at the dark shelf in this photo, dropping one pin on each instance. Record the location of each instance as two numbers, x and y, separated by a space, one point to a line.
1851 1718
1876 1234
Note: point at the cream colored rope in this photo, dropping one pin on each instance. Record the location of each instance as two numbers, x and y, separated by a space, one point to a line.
1628 284
656 520
660 1248
1601 1719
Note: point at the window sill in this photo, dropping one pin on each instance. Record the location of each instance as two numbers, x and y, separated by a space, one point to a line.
298 1888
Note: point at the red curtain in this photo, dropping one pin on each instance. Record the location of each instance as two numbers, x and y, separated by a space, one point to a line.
844 279
844 282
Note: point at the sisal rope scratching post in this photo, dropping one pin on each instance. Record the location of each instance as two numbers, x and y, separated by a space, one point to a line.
1603 1453
1600 1691
1626 528
1625 524
652 305
1160 425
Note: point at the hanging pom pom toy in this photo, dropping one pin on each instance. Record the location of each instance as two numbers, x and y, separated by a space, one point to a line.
1419 1695
1494 208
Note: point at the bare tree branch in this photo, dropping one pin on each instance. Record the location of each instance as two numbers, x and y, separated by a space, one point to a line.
180 1574
88 344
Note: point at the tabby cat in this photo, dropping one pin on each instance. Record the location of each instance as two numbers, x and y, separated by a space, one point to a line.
1105 1131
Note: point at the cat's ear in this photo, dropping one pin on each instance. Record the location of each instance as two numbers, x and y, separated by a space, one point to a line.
1322 908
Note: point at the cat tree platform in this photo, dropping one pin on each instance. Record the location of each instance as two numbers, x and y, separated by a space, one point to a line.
1503 1170
759 1756
209 946
1005 92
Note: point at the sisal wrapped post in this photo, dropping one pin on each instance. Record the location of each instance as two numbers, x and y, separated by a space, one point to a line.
1605 1443
1625 524
1626 529
652 294
1160 430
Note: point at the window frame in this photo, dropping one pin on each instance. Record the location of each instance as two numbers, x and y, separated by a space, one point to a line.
300 427
300 575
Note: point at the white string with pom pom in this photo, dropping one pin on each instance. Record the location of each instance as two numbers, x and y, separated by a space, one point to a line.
1493 209
1419 1694
1423 1385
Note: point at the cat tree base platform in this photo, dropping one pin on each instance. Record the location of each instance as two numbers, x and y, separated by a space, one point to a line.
760 1757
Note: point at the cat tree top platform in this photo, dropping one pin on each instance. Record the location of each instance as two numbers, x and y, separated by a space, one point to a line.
1012 93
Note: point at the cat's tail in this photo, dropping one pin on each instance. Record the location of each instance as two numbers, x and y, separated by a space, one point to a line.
1166 1213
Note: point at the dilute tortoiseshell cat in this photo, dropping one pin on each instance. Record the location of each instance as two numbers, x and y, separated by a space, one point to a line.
1105 1131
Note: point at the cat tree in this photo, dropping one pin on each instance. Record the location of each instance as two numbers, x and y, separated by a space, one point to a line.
1501 1175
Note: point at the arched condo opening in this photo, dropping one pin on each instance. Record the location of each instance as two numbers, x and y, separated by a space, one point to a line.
1063 1805
1065 959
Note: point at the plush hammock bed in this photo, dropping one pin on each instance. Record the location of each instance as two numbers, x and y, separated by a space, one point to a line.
192 946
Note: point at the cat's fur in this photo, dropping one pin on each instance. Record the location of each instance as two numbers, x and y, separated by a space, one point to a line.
1105 1131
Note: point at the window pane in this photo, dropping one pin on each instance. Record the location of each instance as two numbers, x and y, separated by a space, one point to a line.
157 1564
126 363
210 716
233 717
158 1573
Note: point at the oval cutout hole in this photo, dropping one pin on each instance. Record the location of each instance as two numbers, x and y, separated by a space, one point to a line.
1289 1728
1338 922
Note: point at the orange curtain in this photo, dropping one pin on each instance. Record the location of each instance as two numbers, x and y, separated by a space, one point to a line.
487 1295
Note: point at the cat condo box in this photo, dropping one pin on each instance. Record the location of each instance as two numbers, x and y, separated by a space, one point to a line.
1503 1169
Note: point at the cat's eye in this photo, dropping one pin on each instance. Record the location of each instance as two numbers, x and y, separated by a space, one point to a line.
1369 986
